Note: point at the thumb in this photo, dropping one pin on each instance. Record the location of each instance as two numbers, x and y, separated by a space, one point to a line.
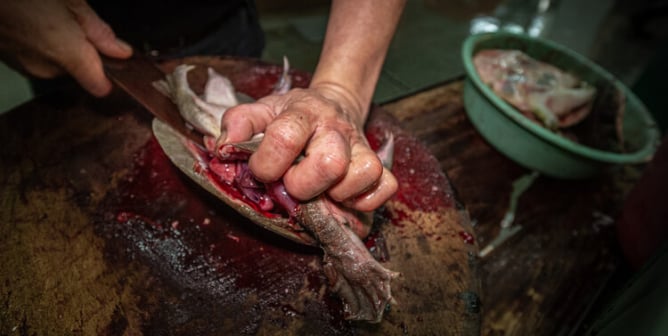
98 32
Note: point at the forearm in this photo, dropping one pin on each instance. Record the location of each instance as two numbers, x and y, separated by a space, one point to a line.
358 36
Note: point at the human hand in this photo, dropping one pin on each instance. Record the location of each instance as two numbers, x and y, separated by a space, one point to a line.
326 124
47 38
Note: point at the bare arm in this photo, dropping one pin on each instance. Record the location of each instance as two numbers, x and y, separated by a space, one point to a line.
326 120
358 36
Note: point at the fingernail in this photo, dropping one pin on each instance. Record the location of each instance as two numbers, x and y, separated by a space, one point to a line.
124 45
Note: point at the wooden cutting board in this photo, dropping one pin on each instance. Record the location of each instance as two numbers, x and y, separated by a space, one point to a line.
99 234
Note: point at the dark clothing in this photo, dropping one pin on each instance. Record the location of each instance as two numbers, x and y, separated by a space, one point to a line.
170 28
238 35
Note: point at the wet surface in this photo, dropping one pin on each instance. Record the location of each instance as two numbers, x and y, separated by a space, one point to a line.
214 271
216 262
210 261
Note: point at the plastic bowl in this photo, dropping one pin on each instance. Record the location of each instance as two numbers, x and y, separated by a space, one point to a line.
534 146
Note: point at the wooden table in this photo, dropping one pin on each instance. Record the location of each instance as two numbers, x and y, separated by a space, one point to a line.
53 255
544 279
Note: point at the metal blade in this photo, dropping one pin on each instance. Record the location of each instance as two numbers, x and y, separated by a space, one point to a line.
135 76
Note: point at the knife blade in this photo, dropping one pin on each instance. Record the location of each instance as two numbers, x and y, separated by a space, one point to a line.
135 76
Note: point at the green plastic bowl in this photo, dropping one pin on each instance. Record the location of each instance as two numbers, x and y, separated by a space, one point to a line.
534 146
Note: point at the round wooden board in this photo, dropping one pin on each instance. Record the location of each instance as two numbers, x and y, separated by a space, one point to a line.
101 235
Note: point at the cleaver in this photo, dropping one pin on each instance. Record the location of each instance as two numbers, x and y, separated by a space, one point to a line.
135 76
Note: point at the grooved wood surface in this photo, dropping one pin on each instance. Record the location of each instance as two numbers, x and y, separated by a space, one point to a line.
543 280
100 234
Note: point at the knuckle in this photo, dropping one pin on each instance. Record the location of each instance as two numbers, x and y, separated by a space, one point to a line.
284 140
238 112
331 166
361 177
288 135
382 192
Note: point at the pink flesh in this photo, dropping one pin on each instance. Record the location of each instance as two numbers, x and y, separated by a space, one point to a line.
523 82
231 173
